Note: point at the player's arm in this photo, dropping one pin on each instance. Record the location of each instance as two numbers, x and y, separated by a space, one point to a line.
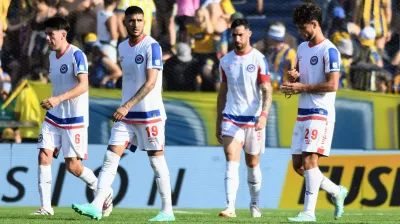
266 95
221 101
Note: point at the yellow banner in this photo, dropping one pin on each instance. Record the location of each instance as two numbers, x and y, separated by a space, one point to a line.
373 182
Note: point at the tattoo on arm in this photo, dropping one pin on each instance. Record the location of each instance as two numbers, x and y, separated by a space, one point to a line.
140 94
266 91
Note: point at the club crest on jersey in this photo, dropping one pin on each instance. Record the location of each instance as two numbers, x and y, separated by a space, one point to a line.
314 60
64 68
139 59
251 68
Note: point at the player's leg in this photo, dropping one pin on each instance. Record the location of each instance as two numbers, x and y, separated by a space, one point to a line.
75 148
151 138
49 141
254 146
121 134
233 139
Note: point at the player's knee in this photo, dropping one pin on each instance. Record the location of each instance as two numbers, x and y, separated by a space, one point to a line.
252 163
310 162
44 157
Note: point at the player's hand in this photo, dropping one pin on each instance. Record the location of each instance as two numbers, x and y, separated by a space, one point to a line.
120 113
293 88
260 123
50 102
292 75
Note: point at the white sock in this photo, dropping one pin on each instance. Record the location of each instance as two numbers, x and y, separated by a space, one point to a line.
329 186
45 179
231 183
89 178
254 179
106 178
313 182
161 173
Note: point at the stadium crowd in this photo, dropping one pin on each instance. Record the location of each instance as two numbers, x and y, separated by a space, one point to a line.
193 35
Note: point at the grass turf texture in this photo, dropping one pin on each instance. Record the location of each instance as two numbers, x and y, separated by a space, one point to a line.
21 215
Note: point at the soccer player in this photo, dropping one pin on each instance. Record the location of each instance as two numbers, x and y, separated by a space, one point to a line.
244 100
66 122
318 66
141 115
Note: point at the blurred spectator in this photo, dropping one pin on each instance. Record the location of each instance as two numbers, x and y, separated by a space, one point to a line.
368 52
164 28
4 4
280 56
178 74
217 15
185 15
27 109
222 40
36 42
382 84
107 29
8 113
148 8
103 72
339 23
345 47
7 136
201 37
376 14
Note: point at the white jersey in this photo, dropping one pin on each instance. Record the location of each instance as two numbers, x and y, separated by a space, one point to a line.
313 63
243 75
64 70
135 60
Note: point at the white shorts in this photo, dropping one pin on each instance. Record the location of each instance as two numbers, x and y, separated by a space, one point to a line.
253 141
312 136
72 142
147 137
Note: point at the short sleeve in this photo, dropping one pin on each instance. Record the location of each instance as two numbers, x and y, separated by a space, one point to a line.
263 71
80 63
154 57
222 74
332 60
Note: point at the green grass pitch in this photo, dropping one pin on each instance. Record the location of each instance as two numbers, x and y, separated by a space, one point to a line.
16 215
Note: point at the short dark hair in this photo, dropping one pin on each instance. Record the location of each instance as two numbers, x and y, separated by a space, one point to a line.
306 13
132 10
240 22
57 23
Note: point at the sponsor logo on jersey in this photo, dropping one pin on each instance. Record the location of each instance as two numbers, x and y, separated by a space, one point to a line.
139 59
314 60
64 68
251 68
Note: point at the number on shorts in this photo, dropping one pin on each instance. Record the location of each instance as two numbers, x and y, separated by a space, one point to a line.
77 138
153 132
314 134
258 136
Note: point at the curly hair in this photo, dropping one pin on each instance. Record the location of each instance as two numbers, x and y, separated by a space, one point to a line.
306 13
